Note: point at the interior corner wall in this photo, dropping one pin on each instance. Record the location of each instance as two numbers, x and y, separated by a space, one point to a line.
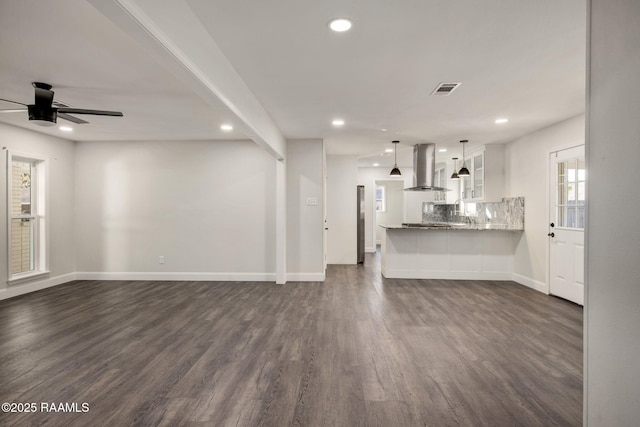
612 288
342 182
392 214
61 214
527 174
206 207
305 219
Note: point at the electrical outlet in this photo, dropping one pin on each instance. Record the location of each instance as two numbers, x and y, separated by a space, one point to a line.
312 201
161 259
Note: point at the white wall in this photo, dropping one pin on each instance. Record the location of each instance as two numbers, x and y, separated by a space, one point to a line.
305 223
392 215
413 201
612 304
342 182
207 207
527 174
61 212
368 178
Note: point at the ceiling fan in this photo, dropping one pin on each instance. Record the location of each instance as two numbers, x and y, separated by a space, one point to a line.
45 111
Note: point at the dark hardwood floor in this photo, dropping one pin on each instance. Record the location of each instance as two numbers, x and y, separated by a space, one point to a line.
356 350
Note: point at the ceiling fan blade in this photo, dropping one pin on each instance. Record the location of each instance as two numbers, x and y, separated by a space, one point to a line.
93 112
14 102
71 118
13 111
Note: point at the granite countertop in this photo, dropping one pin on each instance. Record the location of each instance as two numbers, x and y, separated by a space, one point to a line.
450 226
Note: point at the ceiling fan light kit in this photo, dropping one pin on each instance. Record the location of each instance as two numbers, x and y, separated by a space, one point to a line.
42 117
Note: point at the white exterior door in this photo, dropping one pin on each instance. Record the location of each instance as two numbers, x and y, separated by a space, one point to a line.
566 224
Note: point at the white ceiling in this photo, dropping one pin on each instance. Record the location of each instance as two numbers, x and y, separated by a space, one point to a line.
93 64
524 60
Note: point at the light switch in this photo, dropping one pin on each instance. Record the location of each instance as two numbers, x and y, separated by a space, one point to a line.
312 201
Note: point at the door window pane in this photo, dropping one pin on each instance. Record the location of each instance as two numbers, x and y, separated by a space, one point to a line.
582 170
561 172
571 171
561 215
571 217
562 194
571 193
582 190
580 217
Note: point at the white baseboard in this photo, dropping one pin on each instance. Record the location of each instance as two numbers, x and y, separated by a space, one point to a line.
36 285
447 275
370 249
178 276
471 275
531 283
27 287
305 277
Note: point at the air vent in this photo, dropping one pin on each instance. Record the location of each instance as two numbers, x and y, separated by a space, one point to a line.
445 89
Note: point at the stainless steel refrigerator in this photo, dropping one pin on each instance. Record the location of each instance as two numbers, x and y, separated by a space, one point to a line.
360 227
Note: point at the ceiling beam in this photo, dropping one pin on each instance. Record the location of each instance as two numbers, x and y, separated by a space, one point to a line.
174 35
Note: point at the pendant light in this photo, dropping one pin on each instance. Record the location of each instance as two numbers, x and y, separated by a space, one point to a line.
454 175
463 171
395 171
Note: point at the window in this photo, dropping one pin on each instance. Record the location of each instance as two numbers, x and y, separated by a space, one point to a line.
381 205
26 205
571 193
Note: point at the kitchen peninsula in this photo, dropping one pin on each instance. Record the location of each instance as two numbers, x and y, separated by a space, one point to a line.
480 247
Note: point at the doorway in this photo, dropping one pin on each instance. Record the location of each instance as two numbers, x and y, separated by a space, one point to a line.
567 207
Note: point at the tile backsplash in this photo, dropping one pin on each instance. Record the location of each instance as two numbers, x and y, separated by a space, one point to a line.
508 212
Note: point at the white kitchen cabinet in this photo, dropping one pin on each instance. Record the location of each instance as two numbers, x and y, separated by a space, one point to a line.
486 182
440 180
447 254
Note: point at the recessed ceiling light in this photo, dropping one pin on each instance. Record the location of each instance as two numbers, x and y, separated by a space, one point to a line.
384 130
376 164
442 150
389 150
340 25
501 121
226 127
338 122
66 128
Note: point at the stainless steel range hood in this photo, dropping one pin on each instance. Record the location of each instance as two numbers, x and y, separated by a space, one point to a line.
424 168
